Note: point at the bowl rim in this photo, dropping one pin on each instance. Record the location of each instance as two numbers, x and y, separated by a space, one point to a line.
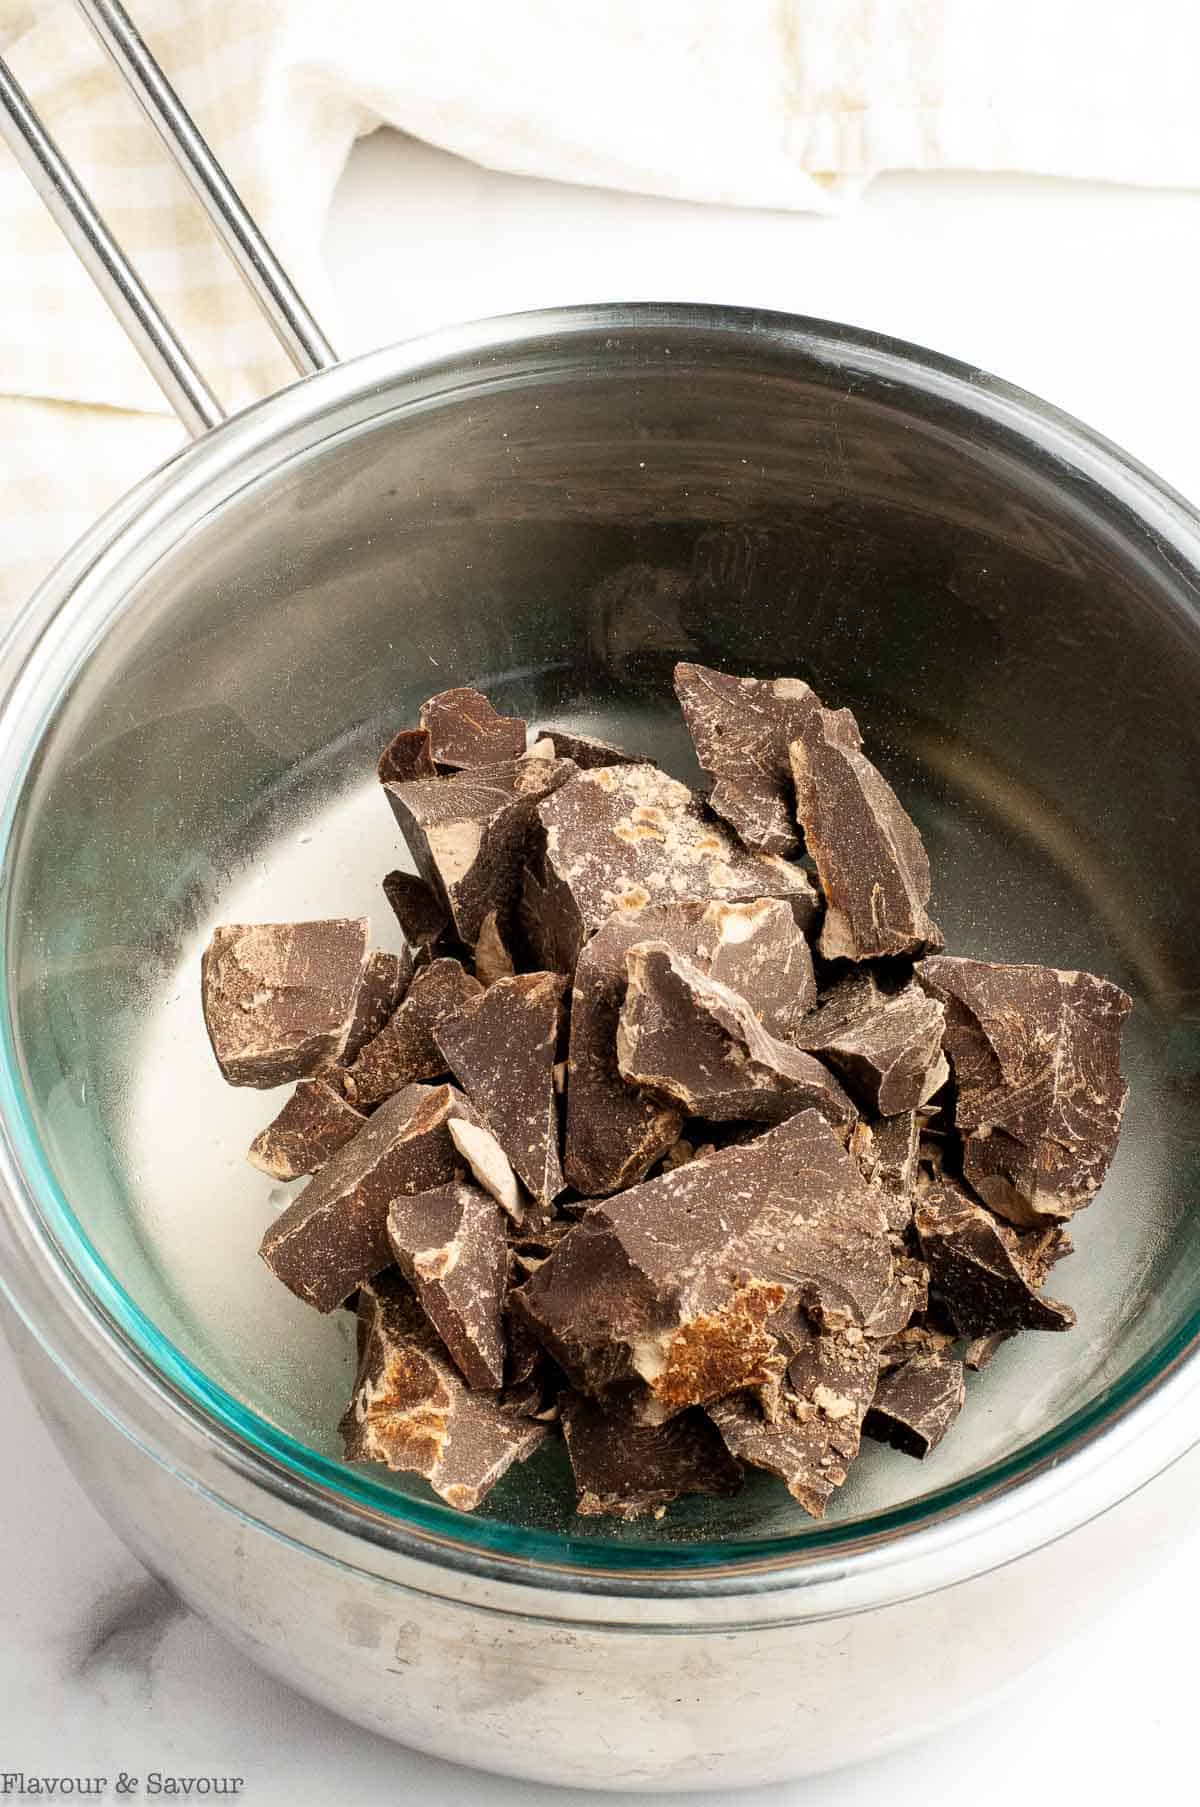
91 1326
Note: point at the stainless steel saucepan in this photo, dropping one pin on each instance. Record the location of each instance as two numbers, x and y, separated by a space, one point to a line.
556 507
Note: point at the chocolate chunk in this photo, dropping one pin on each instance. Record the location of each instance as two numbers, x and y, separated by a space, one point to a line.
887 1151
405 1048
279 997
615 1134
672 1283
491 1166
916 1403
411 1409
469 834
492 958
741 729
914 1339
421 913
385 979
531 1381
979 1268
908 1294
451 1247
871 862
696 1043
627 1470
501 1047
465 731
886 1047
313 1124
406 756
588 752
334 1235
621 837
1038 1089
815 1428
981 1349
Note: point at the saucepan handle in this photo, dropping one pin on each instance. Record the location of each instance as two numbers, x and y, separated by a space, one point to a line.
137 311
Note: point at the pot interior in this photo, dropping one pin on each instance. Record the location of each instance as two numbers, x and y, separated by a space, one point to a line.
557 519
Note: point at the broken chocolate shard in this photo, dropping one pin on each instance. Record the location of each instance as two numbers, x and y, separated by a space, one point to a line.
814 1431
405 1048
978 1267
887 1150
914 1339
627 1470
699 1045
421 913
670 1286
916 1403
885 1047
588 752
614 1134
313 1124
870 859
406 756
333 1237
621 837
1038 1092
501 1046
451 1247
981 1349
908 1294
492 958
469 834
488 1162
465 732
412 1410
279 997
385 979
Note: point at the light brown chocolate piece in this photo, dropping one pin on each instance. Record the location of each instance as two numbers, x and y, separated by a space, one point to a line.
492 958
421 913
699 1045
451 1247
490 1165
588 752
814 1430
501 1046
871 861
411 1409
614 1134
885 1047
469 834
916 1403
668 1288
314 1123
1038 1089
465 732
405 1048
621 837
979 1267
915 1339
334 1235
627 1470
279 997
406 756
385 979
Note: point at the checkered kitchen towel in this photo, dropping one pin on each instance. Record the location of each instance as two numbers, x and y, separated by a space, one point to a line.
772 103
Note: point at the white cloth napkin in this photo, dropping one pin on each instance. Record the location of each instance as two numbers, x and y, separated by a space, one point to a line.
770 103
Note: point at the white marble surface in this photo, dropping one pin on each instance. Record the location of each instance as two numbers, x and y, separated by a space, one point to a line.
1086 294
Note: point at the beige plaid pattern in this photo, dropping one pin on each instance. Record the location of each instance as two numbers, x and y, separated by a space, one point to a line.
773 103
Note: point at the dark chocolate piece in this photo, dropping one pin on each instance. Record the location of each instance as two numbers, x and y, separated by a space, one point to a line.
411 1409
978 1267
334 1235
1039 1096
532 1383
492 958
814 1429
385 979
628 1469
501 1046
279 997
405 1048
587 751
916 1403
981 1349
887 1151
699 1045
451 1247
406 756
672 1283
871 862
908 1294
421 913
621 837
465 731
314 1123
469 834
615 1134
885 1047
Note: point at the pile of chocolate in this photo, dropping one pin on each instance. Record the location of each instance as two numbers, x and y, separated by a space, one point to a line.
672 1127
